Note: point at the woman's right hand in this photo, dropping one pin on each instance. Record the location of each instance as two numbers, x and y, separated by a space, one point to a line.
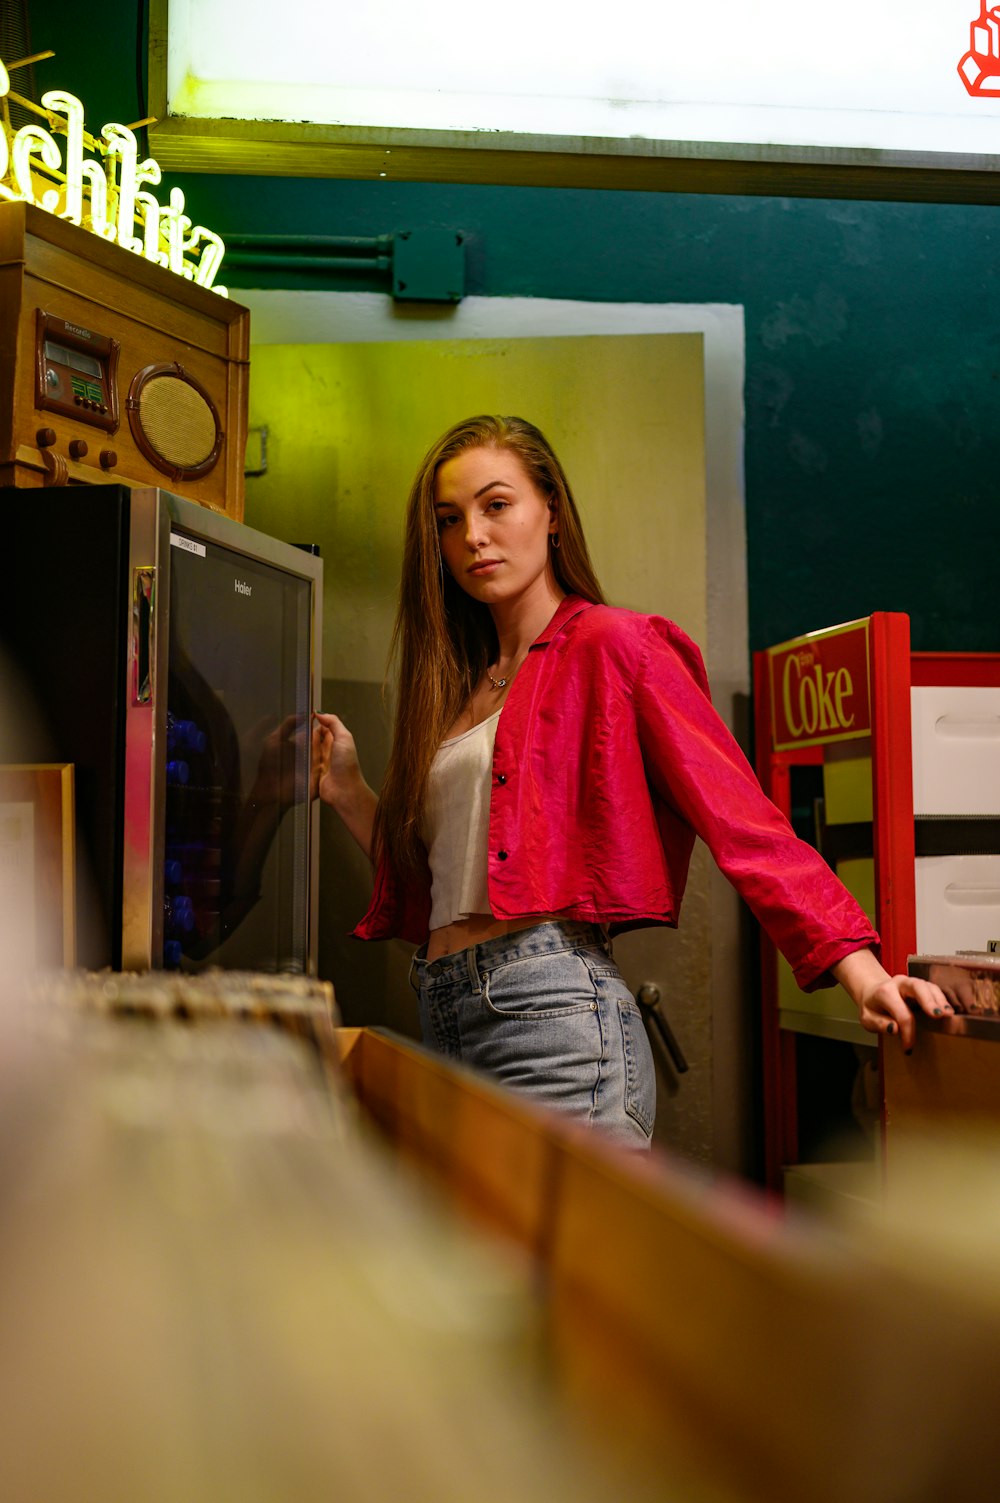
337 777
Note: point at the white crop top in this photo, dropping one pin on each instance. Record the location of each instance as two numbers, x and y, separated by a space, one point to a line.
456 822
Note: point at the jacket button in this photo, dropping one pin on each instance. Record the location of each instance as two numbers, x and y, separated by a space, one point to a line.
501 855
501 777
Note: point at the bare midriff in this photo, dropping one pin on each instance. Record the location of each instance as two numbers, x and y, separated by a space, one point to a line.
475 929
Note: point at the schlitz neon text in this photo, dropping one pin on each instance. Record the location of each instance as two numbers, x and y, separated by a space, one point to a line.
110 199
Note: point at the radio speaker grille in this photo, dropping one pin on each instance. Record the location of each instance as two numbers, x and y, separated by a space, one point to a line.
174 421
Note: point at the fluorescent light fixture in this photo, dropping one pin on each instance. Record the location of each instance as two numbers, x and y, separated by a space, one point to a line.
858 75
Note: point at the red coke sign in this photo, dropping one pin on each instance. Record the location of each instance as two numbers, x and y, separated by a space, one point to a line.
819 688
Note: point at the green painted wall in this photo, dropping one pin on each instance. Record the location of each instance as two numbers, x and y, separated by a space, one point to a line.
873 345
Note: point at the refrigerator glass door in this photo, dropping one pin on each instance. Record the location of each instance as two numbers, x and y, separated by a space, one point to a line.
237 761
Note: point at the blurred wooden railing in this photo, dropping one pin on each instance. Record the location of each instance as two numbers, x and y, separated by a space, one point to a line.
770 1358
254 1257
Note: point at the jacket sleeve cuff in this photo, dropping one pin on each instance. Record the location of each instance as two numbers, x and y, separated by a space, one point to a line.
815 971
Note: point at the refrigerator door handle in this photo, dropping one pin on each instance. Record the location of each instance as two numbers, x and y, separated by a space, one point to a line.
143 635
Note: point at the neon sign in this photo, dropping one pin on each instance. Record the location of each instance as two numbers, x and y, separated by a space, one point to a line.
106 193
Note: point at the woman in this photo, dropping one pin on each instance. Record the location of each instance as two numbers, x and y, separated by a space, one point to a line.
553 760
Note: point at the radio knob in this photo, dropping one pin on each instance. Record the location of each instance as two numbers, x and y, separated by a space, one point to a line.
108 459
78 448
45 438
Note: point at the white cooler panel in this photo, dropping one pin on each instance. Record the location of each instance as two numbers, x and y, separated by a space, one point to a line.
956 750
958 903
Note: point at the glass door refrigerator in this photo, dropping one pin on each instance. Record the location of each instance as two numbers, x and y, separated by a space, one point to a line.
172 655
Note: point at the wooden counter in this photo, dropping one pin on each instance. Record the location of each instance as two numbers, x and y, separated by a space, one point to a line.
715 1338
952 1076
243 1260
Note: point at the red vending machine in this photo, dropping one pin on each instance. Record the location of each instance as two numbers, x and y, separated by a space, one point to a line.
889 762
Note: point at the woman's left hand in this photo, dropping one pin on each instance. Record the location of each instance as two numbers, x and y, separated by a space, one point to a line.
883 1000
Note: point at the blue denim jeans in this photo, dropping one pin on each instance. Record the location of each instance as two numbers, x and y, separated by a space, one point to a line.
546 1011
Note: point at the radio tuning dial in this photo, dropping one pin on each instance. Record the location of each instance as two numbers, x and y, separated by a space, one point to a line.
108 459
78 447
45 438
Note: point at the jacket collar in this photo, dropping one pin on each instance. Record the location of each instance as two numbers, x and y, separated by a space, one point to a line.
567 608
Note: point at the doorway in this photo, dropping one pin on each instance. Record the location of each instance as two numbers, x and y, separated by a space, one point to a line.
648 424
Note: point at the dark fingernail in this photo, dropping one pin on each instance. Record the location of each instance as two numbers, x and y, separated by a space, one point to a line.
891 1028
938 1011
908 1051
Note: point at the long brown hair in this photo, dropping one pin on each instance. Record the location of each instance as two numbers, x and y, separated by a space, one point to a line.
443 639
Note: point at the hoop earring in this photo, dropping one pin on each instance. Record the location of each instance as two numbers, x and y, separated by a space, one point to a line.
554 540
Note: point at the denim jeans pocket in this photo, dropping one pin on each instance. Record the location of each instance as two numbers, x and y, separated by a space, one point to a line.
640 1072
539 988
632 1054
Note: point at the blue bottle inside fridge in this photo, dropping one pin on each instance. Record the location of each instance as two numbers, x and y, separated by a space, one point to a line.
173 656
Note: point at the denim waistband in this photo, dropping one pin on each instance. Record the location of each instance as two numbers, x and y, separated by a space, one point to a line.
541 939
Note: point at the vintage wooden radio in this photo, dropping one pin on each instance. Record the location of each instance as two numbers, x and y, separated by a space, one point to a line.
114 369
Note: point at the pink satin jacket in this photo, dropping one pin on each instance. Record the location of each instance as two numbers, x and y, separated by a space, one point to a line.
609 760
